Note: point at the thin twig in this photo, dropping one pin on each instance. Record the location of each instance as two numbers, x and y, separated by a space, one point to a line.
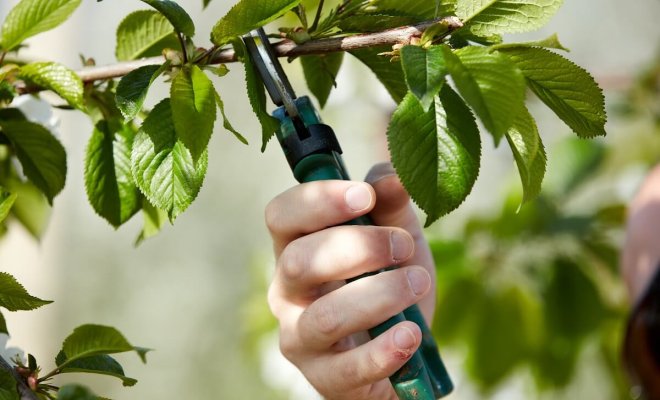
24 390
288 48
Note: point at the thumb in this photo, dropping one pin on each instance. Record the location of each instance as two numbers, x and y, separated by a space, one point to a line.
393 206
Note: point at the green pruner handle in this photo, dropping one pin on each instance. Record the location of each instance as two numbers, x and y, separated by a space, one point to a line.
313 153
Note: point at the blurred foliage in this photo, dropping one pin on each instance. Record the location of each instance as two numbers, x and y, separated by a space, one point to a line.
527 291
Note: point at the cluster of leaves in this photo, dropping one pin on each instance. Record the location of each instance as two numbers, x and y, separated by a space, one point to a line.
530 289
158 166
86 350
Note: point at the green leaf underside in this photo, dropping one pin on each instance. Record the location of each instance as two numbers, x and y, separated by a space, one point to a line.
14 297
174 13
321 74
108 178
361 23
257 96
144 33
488 17
529 154
101 364
570 91
7 200
247 15
3 325
7 386
93 340
551 42
42 156
490 84
162 166
225 121
423 10
31 17
153 221
75 392
390 74
58 78
436 153
31 207
133 87
424 71
193 109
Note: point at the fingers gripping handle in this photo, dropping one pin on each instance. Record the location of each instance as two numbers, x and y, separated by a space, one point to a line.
313 153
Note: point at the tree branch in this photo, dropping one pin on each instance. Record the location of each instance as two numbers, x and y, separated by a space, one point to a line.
24 391
287 48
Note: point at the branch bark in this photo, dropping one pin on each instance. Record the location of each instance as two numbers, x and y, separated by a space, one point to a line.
287 48
24 391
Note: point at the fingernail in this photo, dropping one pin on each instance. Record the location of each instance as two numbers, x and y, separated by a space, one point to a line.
357 197
402 246
404 338
418 279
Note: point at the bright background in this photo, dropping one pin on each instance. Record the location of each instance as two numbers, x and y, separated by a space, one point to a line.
184 292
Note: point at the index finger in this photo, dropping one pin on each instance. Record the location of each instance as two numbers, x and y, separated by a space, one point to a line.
313 206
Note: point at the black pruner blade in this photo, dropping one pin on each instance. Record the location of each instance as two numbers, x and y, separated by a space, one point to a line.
277 84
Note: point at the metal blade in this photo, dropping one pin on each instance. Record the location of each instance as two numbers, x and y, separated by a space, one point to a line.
276 82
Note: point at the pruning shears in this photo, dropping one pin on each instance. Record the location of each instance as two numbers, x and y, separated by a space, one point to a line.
313 153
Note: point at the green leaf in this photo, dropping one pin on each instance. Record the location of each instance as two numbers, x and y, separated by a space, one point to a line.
567 89
551 42
174 13
92 340
42 156
225 122
389 73
487 17
247 15
362 23
257 96
321 73
425 72
108 179
101 364
529 153
573 307
206 3
153 221
7 200
422 9
144 33
31 207
14 297
162 166
31 17
75 392
8 389
133 87
504 335
193 109
3 325
490 84
436 153
58 78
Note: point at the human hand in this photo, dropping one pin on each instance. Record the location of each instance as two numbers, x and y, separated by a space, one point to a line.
322 319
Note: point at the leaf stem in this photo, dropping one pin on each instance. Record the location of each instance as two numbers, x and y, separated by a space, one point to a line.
317 17
2 57
184 51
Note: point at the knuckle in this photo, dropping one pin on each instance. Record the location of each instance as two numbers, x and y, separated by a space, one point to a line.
272 216
292 263
323 317
289 345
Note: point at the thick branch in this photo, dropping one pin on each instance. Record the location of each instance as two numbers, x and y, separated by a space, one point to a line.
288 48
24 390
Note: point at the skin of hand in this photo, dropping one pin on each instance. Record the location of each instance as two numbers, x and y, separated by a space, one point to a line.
641 252
322 320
